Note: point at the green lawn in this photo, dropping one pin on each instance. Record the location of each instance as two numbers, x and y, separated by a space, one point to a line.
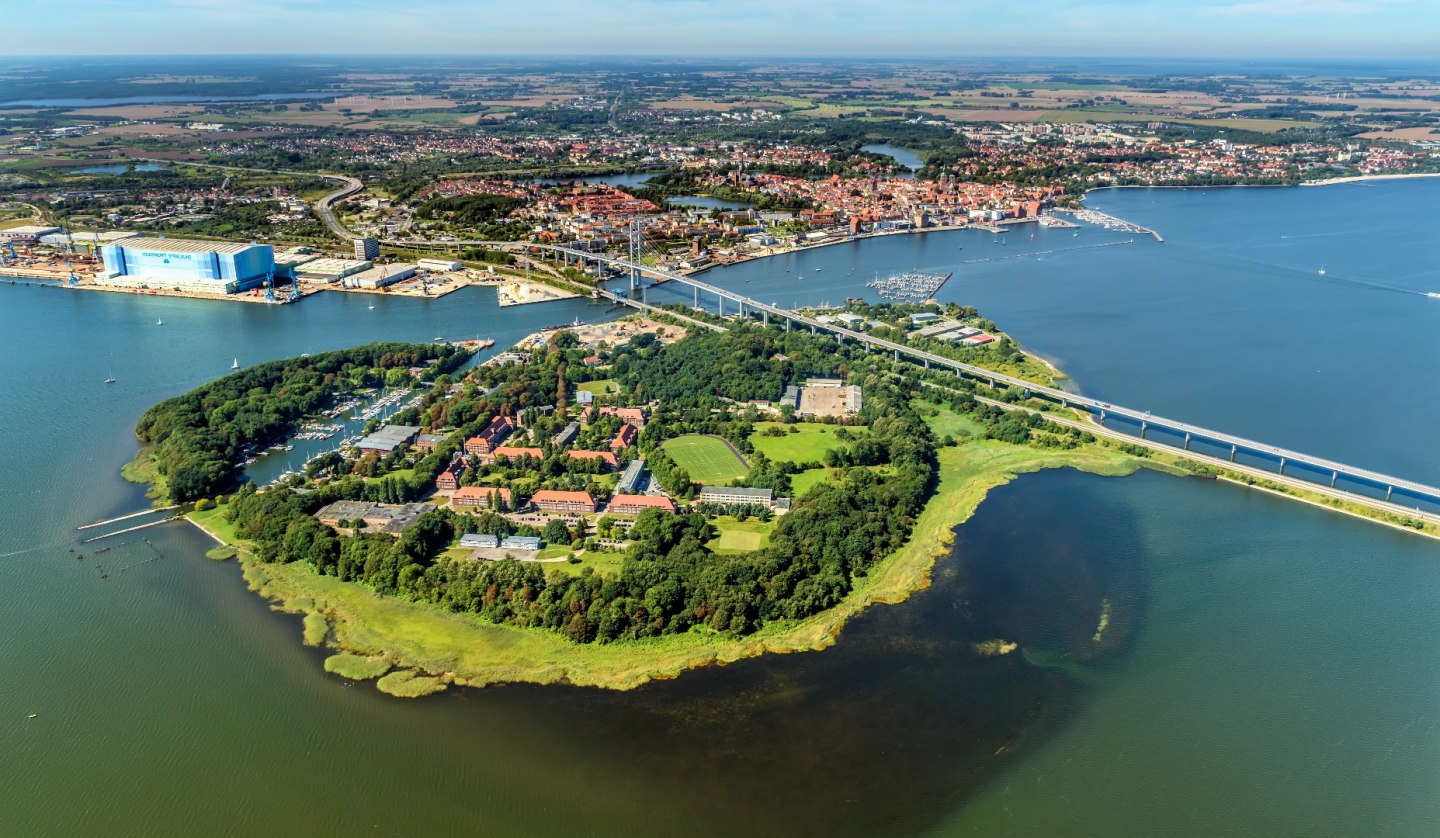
603 562
809 445
707 459
948 422
599 387
740 536
807 480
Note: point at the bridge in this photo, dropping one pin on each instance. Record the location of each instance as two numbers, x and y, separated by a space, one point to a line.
1304 469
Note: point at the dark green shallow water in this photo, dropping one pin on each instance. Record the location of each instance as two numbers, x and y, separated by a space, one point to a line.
1269 669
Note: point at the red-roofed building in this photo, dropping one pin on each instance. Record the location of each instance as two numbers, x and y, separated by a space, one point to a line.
469 496
489 439
552 500
629 415
515 453
606 457
449 479
624 439
635 504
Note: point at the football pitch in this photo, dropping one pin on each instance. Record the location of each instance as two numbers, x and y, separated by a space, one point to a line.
707 459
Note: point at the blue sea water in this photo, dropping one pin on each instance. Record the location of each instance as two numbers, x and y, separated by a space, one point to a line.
1271 668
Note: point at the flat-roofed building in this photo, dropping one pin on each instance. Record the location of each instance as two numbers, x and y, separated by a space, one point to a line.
379 276
736 496
213 267
632 480
475 540
389 438
26 233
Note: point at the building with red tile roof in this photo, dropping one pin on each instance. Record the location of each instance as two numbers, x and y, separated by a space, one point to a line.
487 440
552 500
471 496
606 457
635 504
624 439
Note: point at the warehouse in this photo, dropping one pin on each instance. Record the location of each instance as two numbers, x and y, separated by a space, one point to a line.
379 276
213 267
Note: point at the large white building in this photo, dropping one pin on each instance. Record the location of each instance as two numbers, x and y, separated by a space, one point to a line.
214 267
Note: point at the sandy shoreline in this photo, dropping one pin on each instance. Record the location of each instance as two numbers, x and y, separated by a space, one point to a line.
1364 178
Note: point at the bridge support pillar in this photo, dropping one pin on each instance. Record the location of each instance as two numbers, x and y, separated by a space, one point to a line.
927 363
1187 442
644 295
1064 402
697 297
1282 465
1102 417
1232 453
1143 428
787 324
897 356
1389 490
812 330
720 304
1334 475
765 317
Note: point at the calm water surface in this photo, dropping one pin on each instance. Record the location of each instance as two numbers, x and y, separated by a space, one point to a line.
1269 669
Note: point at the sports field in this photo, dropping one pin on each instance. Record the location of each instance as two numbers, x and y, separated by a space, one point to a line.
740 536
707 459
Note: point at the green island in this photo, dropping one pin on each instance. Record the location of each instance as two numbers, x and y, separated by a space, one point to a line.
691 516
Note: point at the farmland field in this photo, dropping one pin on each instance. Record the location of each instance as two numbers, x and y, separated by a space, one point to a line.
708 459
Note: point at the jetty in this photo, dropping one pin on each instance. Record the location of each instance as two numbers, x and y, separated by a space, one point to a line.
133 529
128 517
1110 222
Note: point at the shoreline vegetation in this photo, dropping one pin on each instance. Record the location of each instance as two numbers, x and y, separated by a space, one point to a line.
386 633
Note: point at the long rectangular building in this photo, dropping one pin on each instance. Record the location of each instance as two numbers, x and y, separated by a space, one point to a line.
210 266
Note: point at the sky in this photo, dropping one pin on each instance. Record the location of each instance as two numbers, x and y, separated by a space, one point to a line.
1332 29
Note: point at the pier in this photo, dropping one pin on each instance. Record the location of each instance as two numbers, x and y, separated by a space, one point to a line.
133 529
128 517
1110 222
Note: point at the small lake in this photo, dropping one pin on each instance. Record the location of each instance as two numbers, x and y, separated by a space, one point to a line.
706 202
625 180
118 169
903 156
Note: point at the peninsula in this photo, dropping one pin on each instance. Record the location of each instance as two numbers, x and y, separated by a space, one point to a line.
604 514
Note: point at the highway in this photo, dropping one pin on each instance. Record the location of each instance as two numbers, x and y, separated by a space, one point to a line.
349 186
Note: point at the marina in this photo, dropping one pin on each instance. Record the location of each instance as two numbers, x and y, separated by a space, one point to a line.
909 287
1110 222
